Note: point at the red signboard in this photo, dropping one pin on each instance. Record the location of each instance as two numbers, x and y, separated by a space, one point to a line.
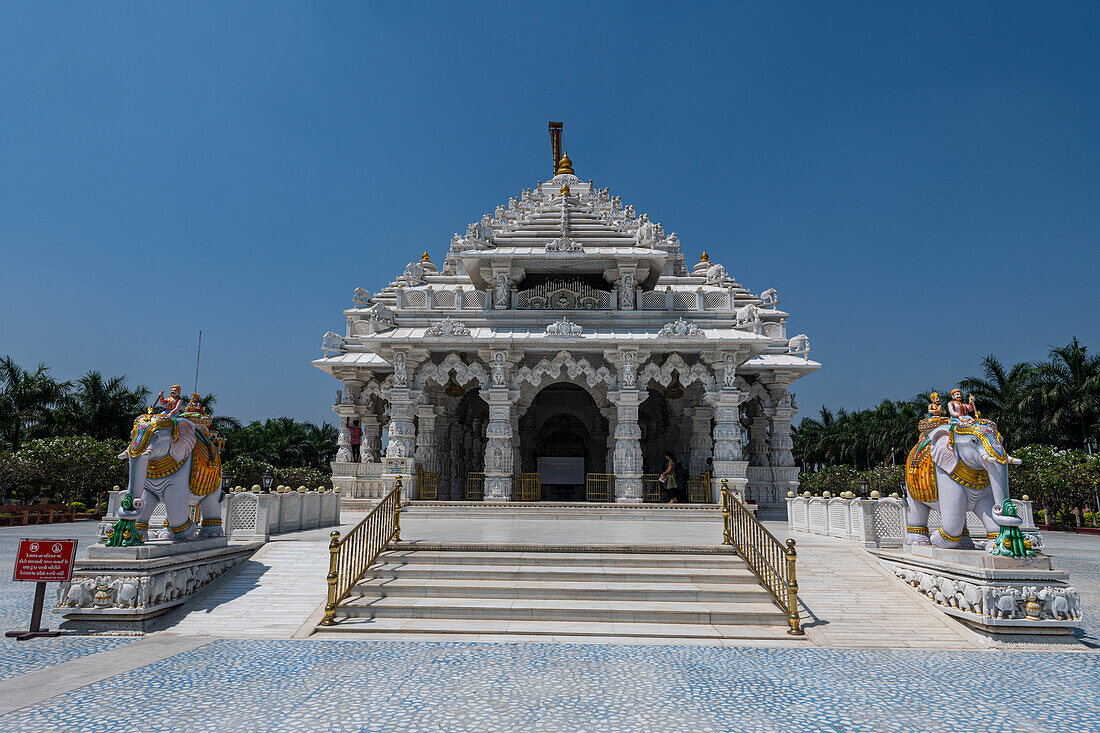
45 561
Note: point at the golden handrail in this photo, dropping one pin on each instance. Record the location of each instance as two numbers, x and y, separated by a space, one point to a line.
768 559
350 557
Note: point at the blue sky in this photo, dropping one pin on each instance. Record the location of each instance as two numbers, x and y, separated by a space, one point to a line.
919 181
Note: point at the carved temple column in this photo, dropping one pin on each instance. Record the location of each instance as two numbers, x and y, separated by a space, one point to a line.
784 470
499 453
371 449
401 429
726 400
609 461
701 440
628 434
425 436
758 437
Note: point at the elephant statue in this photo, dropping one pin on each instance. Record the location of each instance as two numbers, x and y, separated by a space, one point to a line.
174 461
955 467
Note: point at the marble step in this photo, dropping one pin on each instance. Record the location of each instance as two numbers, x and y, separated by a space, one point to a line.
559 573
747 590
577 610
457 556
558 631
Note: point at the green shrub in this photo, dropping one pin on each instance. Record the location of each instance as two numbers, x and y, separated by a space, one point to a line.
309 477
78 507
247 471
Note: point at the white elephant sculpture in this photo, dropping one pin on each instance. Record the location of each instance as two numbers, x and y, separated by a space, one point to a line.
957 468
126 592
174 461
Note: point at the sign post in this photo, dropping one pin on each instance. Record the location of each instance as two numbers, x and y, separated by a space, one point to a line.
41 562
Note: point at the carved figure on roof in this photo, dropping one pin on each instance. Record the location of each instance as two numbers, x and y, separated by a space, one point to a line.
680 329
617 203
361 297
799 345
563 328
770 297
647 232
332 341
447 328
630 369
747 314
414 273
716 275
498 369
729 370
380 316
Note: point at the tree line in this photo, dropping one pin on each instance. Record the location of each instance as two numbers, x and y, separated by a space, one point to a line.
1053 402
60 439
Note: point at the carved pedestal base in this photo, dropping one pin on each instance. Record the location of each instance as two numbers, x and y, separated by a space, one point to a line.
999 596
126 588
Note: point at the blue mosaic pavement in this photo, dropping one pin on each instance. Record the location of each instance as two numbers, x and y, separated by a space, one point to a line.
248 685
20 657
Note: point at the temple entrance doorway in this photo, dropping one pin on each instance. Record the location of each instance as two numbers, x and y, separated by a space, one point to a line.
564 439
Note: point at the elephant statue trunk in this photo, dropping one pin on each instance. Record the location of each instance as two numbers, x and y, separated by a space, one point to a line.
139 469
998 481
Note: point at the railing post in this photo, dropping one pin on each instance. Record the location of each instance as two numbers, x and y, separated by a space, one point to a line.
792 592
333 565
727 532
397 512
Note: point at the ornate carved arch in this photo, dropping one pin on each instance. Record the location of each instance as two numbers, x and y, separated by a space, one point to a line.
564 361
676 364
441 372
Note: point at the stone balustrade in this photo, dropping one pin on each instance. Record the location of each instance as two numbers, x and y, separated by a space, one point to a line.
248 516
360 480
874 522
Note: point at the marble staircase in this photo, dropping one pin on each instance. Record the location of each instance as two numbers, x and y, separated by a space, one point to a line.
566 593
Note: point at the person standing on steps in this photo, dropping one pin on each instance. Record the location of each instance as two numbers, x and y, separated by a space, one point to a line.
668 478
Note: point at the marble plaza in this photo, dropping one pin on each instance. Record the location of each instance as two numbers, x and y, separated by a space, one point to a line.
857 671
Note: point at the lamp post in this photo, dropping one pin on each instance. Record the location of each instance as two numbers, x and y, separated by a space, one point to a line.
864 487
266 481
227 481
1090 446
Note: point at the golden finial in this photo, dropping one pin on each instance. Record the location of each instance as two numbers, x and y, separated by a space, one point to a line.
424 257
565 189
564 165
704 258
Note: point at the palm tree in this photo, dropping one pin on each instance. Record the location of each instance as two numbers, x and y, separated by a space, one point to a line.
26 399
1069 392
101 408
1007 397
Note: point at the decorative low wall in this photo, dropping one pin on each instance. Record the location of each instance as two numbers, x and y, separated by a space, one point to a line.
359 480
874 522
255 517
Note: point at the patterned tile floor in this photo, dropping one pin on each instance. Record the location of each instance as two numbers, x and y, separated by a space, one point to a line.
250 685
289 685
1080 555
20 657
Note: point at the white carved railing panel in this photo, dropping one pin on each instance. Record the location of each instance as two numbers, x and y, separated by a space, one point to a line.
473 299
242 513
445 299
855 519
683 301
414 299
652 300
838 518
717 301
888 520
818 516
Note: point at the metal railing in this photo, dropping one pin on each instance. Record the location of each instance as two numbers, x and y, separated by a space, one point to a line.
427 484
599 486
771 562
529 487
350 557
699 488
651 487
475 486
